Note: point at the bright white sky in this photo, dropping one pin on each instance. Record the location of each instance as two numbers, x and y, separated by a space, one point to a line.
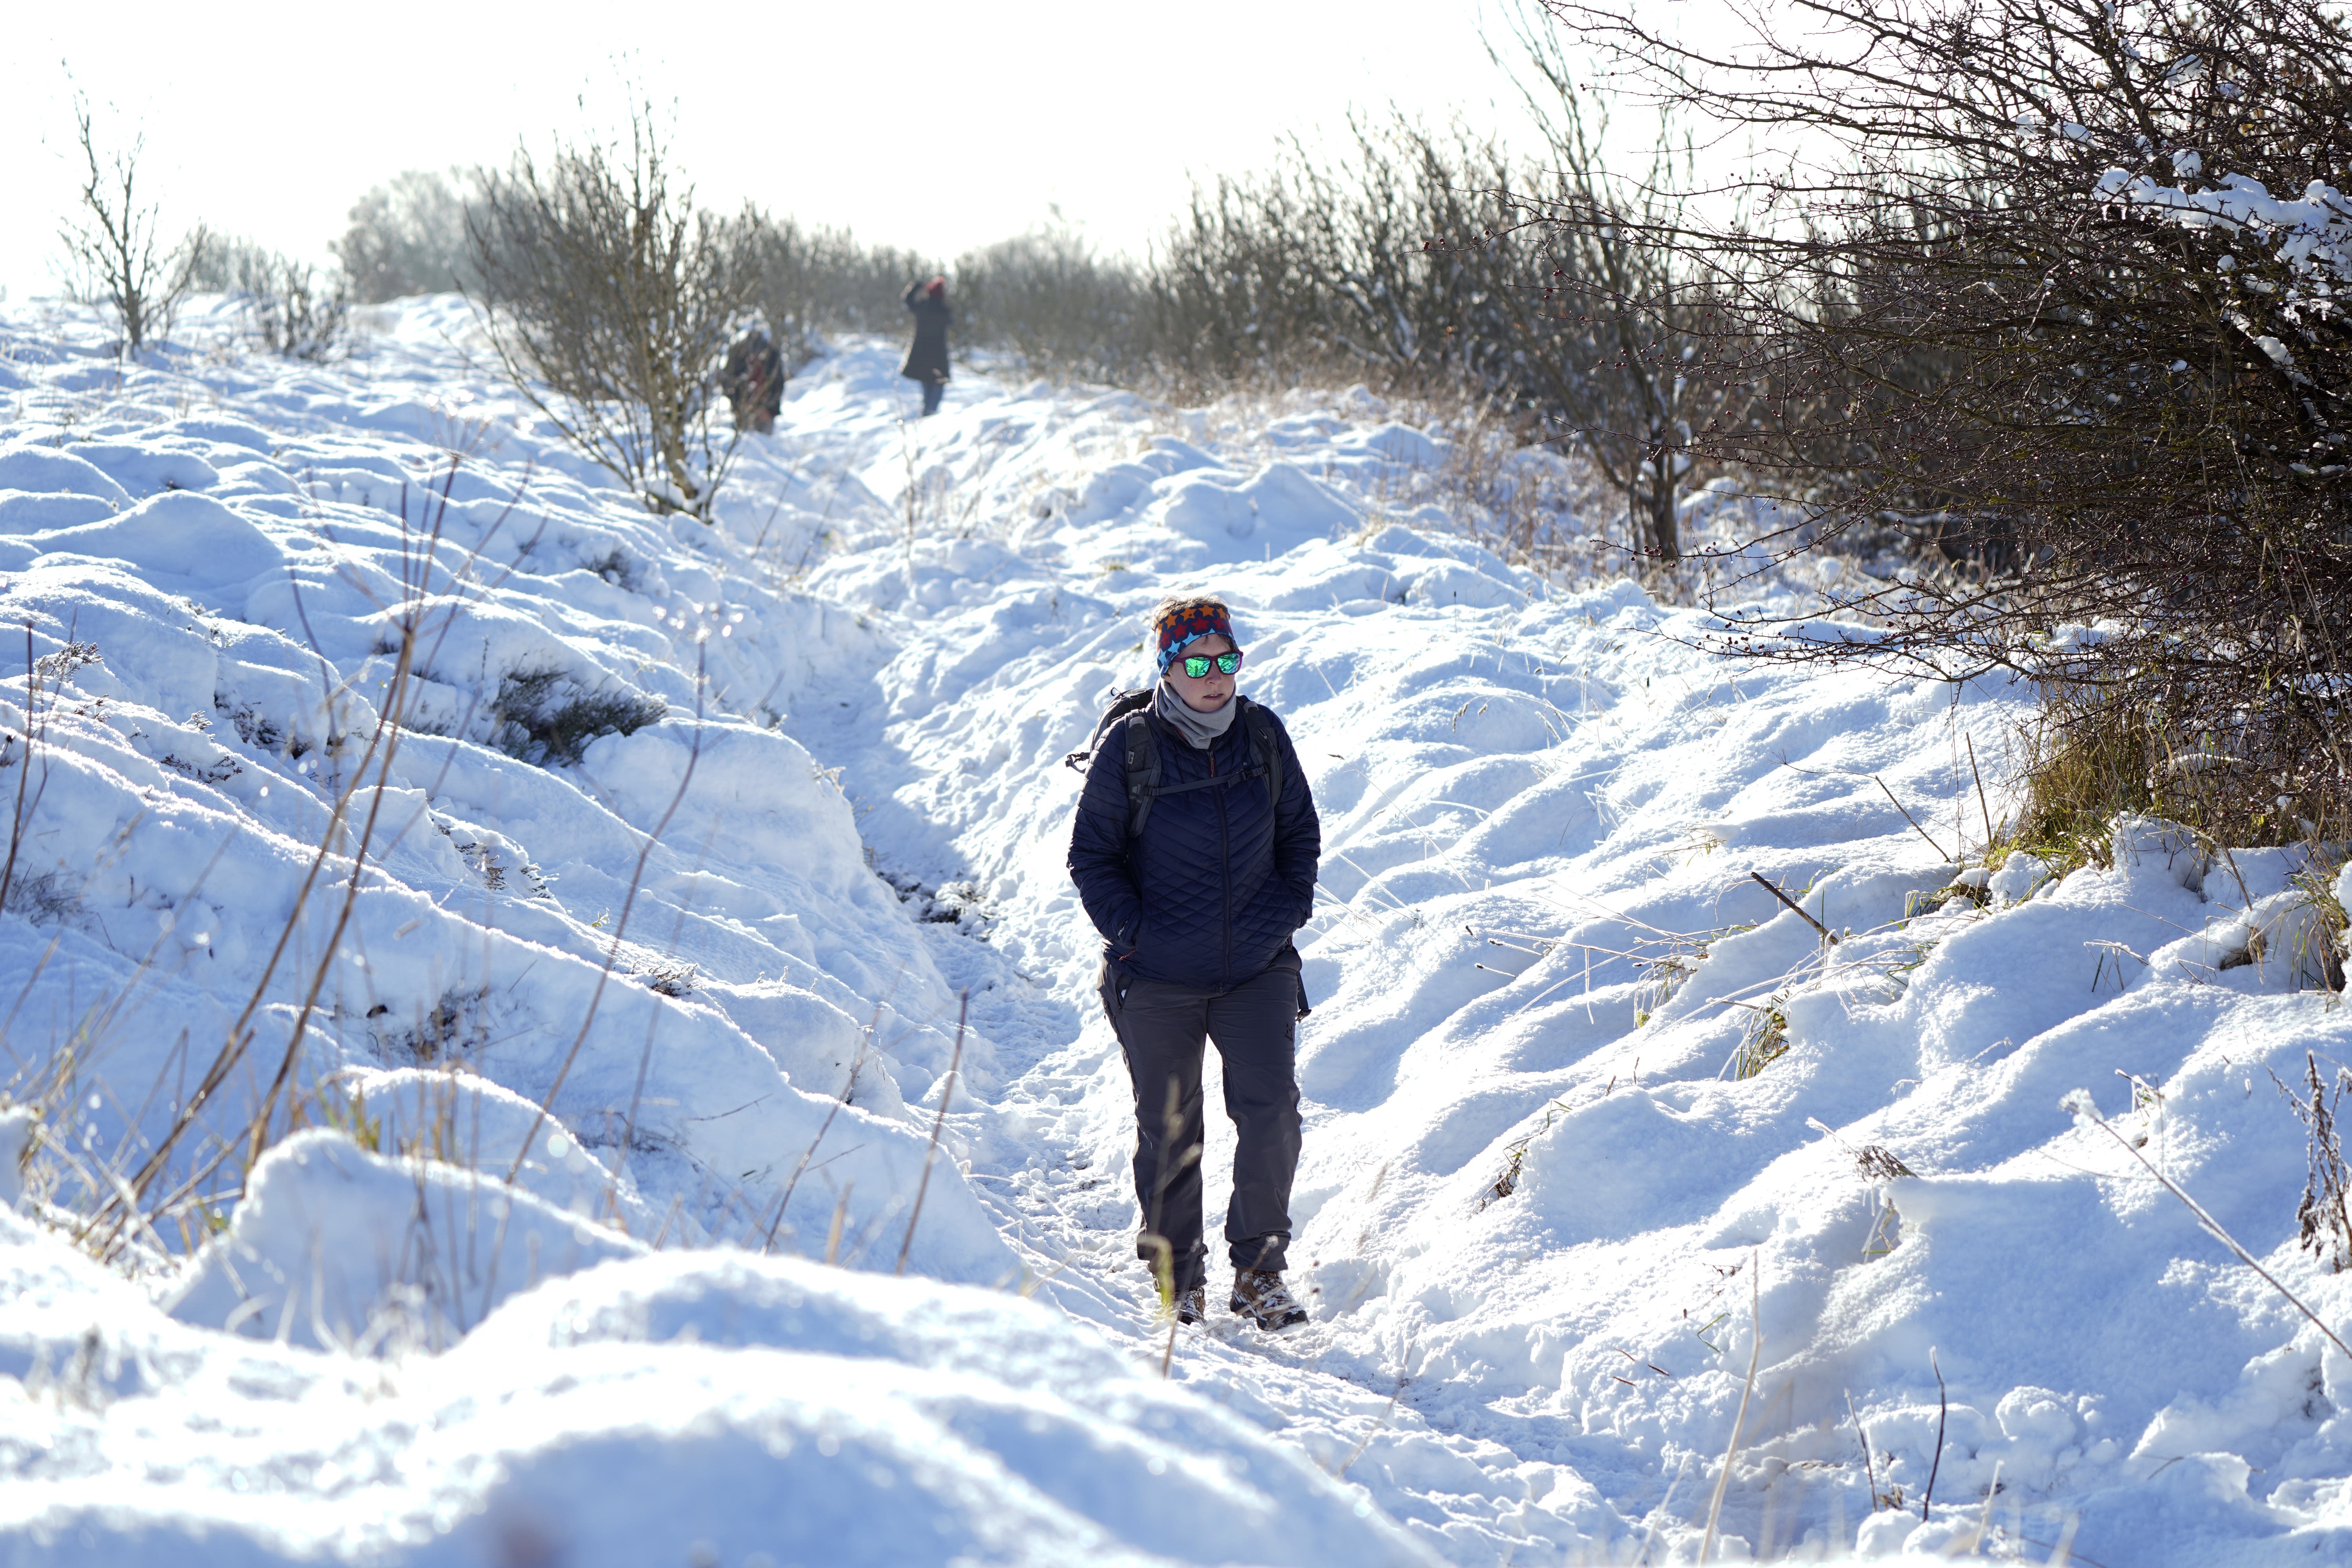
917 123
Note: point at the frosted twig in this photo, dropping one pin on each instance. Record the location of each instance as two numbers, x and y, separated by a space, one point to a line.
2081 1104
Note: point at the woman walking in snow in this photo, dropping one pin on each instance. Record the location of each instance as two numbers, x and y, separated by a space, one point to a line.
1194 853
927 357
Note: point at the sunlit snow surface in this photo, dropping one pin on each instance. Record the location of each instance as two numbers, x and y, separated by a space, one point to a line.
1530 1225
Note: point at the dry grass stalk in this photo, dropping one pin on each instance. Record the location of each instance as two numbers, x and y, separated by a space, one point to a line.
939 1123
2323 1220
1747 1388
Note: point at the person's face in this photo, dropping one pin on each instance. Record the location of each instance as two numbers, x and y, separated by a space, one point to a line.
1202 693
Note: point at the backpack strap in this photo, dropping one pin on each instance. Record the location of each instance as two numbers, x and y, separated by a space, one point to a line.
1142 771
1141 749
1267 746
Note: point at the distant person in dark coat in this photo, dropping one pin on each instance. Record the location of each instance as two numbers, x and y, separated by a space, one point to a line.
927 357
754 380
1197 913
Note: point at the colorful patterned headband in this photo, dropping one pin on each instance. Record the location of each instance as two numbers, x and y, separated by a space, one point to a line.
1179 629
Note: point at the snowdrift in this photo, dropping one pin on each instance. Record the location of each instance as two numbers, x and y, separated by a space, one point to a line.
675 1408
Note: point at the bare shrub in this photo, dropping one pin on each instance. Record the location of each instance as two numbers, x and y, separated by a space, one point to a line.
1419 259
810 279
292 307
114 246
408 236
610 300
1051 298
222 260
296 312
1319 264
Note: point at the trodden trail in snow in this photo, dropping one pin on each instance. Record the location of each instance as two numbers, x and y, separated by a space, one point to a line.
1050 1155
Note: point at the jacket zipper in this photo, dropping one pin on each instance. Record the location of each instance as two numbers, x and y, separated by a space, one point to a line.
1225 873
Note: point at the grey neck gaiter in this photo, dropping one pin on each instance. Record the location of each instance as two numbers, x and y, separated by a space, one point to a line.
1201 729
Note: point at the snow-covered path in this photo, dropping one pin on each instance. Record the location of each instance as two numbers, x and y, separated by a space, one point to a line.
1594 1123
948 795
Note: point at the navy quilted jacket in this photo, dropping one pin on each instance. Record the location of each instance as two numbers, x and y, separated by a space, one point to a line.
1221 877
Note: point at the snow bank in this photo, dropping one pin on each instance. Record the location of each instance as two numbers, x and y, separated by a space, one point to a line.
672 1408
214 607
336 1248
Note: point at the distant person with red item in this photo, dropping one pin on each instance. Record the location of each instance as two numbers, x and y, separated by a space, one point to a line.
927 357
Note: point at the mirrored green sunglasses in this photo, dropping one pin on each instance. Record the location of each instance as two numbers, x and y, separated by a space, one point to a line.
1196 665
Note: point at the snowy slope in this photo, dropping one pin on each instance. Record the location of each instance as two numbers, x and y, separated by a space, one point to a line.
1543 1215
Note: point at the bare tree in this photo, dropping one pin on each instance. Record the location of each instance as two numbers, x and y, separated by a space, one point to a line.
1619 315
114 245
610 300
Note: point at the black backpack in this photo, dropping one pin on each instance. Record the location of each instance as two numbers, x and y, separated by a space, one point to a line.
1126 714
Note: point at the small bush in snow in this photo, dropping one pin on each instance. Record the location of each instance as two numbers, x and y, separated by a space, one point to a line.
547 718
295 311
45 898
451 1028
114 248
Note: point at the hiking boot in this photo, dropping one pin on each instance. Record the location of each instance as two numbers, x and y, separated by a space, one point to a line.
1193 1305
1259 1296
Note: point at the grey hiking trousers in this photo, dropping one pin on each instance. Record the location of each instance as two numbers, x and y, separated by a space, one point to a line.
1161 1028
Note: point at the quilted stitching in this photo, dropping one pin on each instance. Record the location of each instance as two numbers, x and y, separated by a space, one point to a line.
1219 880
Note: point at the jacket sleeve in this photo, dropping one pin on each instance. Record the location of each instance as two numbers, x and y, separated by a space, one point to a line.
909 297
1298 831
1098 857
